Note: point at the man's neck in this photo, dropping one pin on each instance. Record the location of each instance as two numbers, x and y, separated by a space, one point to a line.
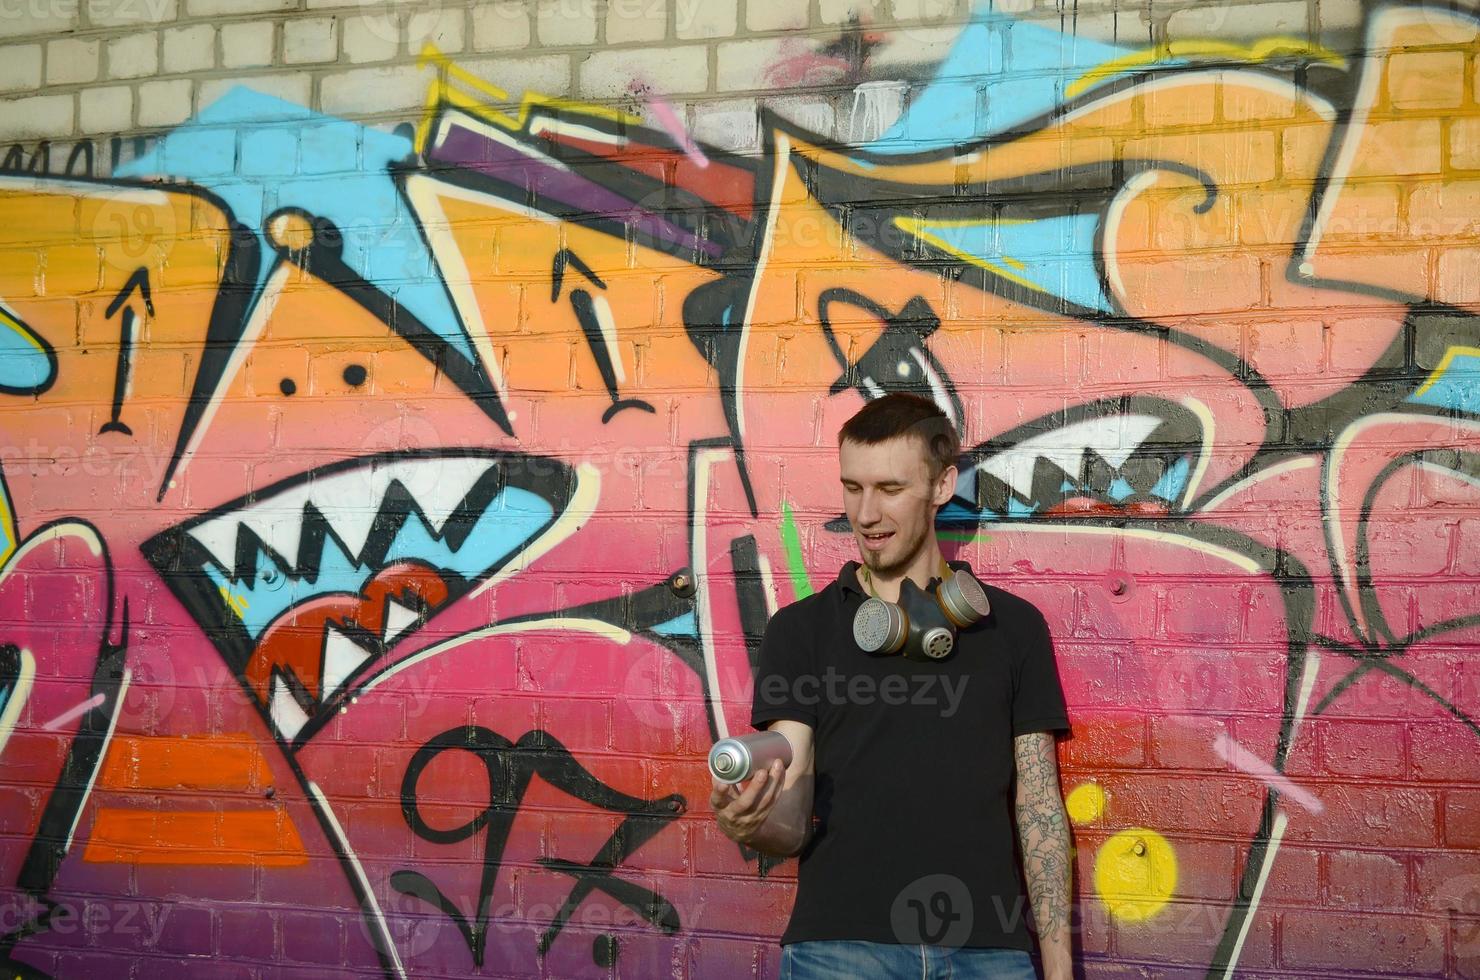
926 566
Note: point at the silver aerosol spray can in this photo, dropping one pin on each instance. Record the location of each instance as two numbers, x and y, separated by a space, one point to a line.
734 760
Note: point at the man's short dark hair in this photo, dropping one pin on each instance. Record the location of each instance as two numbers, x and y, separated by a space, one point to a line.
898 414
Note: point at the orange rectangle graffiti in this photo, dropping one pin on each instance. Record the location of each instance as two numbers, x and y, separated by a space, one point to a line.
266 838
205 762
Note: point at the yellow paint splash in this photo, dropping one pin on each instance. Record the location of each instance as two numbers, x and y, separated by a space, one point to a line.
1085 803
1135 874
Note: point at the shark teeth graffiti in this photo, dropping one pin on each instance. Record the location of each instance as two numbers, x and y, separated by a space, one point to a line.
1102 458
306 585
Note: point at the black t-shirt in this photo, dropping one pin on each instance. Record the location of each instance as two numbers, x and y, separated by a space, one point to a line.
914 839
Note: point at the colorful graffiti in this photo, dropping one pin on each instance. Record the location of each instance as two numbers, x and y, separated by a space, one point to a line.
391 518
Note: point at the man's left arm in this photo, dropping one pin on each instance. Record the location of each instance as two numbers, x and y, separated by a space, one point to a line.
1043 832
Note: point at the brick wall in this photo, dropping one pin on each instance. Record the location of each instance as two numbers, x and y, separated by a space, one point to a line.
413 412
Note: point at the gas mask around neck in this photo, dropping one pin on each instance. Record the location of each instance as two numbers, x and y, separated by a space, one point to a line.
924 622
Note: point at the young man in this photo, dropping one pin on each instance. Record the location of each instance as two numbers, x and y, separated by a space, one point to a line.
897 794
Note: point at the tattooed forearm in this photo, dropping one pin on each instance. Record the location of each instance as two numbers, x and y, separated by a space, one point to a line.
1043 832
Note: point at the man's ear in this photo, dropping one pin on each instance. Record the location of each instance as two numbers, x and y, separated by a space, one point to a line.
945 486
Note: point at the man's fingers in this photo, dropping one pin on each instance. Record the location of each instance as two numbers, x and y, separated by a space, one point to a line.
776 778
769 796
722 795
753 790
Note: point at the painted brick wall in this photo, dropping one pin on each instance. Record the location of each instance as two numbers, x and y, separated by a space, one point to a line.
412 413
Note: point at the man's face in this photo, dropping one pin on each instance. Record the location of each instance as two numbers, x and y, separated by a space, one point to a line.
891 500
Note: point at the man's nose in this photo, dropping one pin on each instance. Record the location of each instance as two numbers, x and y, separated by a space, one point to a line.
868 509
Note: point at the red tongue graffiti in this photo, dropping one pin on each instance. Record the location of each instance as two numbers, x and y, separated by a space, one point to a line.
326 641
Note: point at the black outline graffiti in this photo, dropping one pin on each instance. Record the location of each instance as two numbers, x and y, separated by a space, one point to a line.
904 334
584 307
63 809
510 767
47 351
323 257
1179 436
139 280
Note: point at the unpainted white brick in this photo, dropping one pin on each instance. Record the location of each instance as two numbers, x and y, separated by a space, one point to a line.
165 103
744 64
247 45
1111 27
610 74
373 37
565 22
440 27
1338 15
498 25
632 21
383 89
71 60
1245 20
730 125
291 87
30 19
189 49
404 6
549 73
764 16
218 8
107 109
694 19
935 11
130 13
133 55
20 67
915 46
38 115
310 40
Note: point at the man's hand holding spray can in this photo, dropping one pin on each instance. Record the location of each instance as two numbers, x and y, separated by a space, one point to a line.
734 760
759 761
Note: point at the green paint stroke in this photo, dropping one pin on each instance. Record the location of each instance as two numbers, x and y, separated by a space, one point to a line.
801 583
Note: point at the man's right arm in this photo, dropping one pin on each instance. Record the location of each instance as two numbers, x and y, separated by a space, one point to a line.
773 813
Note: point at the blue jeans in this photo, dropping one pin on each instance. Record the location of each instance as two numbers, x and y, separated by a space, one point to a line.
836 958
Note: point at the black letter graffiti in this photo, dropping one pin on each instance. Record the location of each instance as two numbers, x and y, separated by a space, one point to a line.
510 767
